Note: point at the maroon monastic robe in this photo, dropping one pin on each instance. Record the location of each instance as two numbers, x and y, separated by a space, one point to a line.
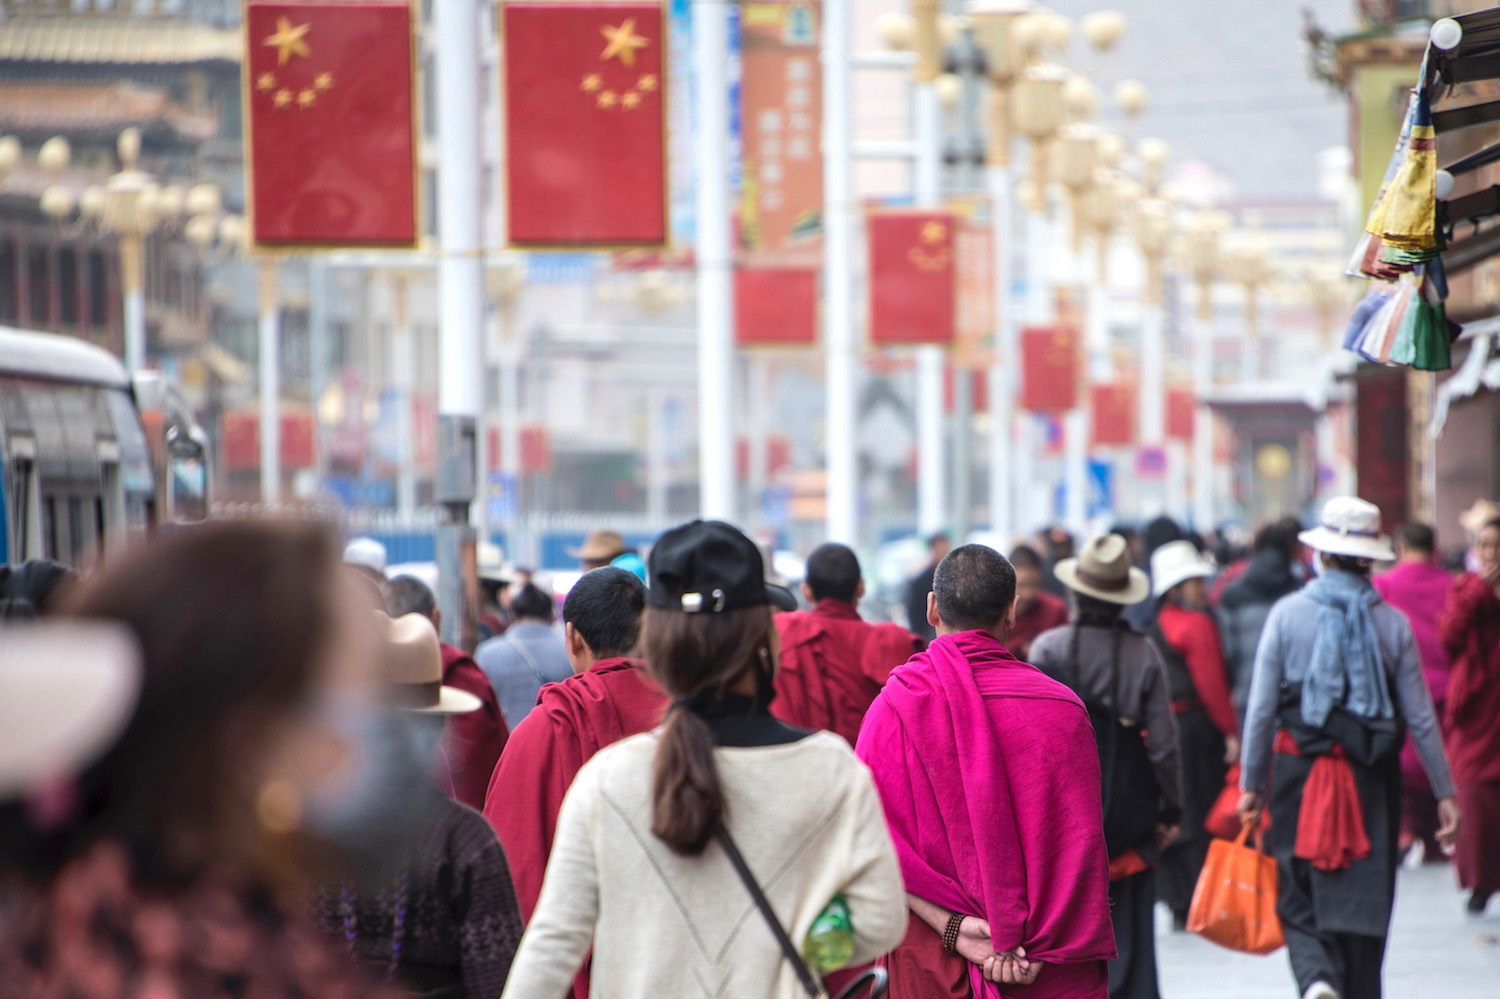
474 740
833 663
1470 630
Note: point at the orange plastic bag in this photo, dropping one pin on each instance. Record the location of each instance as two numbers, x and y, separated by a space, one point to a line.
1234 904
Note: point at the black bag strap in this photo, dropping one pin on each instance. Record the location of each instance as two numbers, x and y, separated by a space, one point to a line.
814 990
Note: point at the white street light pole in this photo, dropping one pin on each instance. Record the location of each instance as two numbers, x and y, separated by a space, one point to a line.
715 301
838 278
927 126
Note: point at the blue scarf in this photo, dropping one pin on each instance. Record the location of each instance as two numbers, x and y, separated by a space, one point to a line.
1346 670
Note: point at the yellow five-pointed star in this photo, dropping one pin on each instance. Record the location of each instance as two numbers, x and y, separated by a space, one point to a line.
307 98
283 98
607 99
267 81
323 81
288 41
623 41
592 82
933 232
647 82
630 100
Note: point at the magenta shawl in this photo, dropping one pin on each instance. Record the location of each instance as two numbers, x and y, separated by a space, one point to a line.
990 779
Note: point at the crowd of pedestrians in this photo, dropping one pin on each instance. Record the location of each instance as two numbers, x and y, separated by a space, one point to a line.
233 762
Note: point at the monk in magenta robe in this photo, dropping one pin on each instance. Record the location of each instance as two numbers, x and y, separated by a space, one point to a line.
833 662
990 779
610 696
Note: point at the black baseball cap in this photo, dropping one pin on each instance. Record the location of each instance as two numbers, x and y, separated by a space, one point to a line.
708 566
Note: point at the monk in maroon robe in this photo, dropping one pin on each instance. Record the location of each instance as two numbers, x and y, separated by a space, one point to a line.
610 696
833 662
989 776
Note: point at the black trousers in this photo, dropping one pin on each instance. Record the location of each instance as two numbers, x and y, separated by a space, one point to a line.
1132 975
1350 962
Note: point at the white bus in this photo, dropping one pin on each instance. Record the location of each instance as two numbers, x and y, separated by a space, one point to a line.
78 473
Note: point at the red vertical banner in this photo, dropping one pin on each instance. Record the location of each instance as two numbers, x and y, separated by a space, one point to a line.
781 120
1181 412
1114 413
331 159
912 286
775 306
585 125
1049 368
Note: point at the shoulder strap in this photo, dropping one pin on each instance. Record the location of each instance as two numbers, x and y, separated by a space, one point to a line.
763 904
530 661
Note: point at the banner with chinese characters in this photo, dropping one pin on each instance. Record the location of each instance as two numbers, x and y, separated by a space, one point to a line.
781 120
585 128
912 283
1181 411
1049 368
775 306
329 120
1114 412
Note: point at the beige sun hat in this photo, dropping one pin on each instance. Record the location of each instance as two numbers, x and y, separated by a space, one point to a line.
413 660
1351 527
1176 562
491 564
67 691
600 546
1482 512
1103 571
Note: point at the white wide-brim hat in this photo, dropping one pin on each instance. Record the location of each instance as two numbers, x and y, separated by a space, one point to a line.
1176 562
413 659
67 691
1103 571
1350 527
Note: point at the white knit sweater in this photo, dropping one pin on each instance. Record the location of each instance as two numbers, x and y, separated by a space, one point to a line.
809 823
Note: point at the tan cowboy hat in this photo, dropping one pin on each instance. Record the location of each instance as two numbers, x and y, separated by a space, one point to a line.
491 564
413 660
1351 527
1103 571
1176 562
599 546
66 693
1482 512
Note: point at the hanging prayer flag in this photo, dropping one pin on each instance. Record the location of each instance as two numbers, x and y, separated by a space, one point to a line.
328 105
912 286
1049 368
781 121
1114 413
775 306
585 131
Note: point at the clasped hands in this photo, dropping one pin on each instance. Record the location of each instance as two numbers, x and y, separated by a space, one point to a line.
1007 967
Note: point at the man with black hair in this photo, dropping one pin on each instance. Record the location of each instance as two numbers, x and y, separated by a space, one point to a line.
471 742
989 775
610 696
1036 609
833 662
529 655
1246 603
921 585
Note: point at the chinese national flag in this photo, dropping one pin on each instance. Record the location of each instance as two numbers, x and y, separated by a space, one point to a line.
1049 368
775 306
585 133
912 286
1114 413
1180 413
328 101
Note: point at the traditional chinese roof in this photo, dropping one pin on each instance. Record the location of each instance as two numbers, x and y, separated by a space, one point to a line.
115 40
70 108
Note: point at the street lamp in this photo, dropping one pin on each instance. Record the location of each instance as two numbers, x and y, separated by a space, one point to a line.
1037 108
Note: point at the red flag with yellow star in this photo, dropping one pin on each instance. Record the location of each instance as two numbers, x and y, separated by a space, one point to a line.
328 109
585 129
912 284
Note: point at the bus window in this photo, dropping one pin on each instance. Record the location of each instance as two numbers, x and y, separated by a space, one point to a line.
49 527
23 507
135 457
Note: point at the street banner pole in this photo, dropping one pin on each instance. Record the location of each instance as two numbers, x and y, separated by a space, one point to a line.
270 383
838 235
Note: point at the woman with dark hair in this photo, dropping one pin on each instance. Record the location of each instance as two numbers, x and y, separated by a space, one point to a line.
635 869
1470 630
1338 682
161 869
1208 729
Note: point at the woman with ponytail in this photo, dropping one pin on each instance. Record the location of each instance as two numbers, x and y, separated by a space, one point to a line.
638 871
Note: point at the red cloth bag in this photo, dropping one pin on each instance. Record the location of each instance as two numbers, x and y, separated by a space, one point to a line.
1234 904
1223 818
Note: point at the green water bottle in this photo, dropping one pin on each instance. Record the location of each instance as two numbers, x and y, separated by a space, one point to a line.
830 940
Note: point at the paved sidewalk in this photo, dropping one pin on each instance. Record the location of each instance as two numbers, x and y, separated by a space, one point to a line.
1435 952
